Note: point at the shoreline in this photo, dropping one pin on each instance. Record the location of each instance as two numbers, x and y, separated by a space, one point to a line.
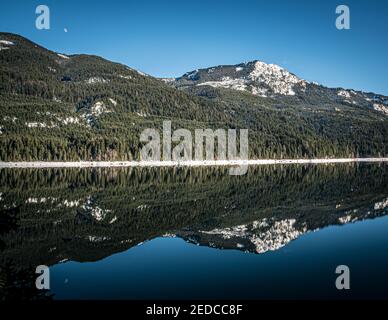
192 163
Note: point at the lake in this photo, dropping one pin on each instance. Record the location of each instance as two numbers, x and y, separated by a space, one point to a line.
278 232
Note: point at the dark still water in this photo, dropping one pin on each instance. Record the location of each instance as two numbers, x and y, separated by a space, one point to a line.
278 232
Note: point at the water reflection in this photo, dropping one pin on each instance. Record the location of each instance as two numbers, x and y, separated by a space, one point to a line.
56 215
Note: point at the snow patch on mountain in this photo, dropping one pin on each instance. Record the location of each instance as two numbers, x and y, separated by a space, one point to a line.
114 102
227 82
279 80
113 220
265 235
345 219
71 204
8 118
142 73
96 80
381 205
63 56
277 236
262 92
344 93
96 212
98 109
7 43
167 80
68 120
94 111
125 77
4 44
40 125
227 233
32 200
381 108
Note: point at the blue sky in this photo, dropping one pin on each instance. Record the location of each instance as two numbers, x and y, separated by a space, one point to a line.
168 38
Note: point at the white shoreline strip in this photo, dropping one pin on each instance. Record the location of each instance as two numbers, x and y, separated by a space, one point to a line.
194 163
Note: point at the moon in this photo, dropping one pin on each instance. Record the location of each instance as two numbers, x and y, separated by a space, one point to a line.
65 30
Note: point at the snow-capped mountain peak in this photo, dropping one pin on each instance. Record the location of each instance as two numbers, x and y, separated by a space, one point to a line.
256 77
279 80
272 81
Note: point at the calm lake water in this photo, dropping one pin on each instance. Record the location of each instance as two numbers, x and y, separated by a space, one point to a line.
277 232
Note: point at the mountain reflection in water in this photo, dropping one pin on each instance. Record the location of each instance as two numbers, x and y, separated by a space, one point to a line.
49 216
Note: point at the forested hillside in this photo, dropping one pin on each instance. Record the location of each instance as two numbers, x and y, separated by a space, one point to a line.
82 107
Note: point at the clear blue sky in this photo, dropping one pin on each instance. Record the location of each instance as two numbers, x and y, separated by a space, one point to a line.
167 38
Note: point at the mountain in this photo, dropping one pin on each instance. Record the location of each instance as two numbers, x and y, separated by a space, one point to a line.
83 107
256 77
269 80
